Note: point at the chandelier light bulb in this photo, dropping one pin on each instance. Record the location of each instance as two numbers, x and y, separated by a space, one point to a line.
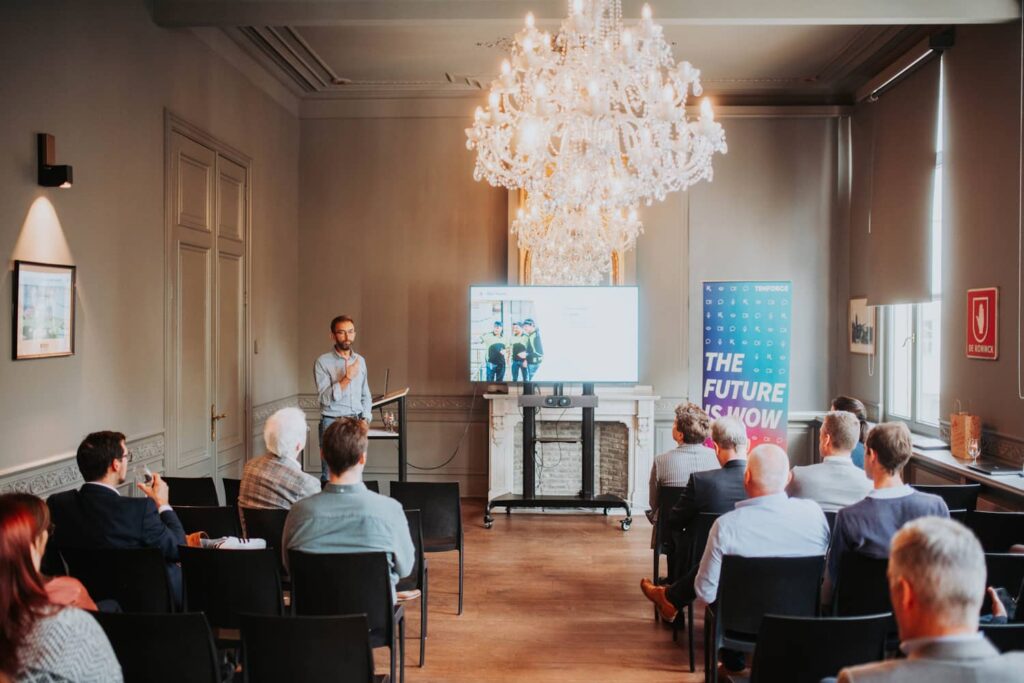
577 7
506 67
529 20
706 112
646 13
493 100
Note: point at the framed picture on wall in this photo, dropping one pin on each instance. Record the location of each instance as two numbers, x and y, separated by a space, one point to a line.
43 324
861 329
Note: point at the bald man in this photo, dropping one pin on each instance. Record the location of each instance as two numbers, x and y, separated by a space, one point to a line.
767 524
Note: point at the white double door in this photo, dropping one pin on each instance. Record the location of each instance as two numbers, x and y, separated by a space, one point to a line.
207 381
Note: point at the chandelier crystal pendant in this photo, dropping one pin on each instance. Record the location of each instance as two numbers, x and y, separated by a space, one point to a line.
594 117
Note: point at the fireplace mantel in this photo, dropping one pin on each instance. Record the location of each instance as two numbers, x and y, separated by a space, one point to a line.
633 406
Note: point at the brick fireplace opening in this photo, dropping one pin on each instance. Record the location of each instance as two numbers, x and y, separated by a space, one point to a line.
559 465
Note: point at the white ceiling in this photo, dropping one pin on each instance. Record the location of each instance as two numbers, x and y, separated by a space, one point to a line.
749 51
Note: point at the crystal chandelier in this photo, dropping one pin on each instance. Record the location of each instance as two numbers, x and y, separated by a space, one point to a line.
594 116
573 247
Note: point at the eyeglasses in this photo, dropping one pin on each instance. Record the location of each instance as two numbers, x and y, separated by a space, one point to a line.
129 455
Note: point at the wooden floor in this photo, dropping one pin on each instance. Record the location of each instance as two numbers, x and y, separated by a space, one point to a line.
547 598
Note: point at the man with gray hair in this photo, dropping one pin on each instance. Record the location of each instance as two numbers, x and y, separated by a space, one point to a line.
835 482
767 524
276 480
937 582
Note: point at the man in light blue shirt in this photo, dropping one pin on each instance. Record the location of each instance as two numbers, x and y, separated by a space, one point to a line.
346 517
341 381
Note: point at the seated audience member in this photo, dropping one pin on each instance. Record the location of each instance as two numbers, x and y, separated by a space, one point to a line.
835 482
346 517
867 527
673 468
97 516
850 405
39 640
715 490
767 524
61 590
276 480
936 583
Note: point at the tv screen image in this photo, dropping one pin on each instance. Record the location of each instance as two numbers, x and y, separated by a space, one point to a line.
553 334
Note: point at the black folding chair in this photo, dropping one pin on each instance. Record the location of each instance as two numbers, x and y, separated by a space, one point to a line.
351 583
1004 570
861 587
335 648
192 491
807 649
997 531
957 496
231 488
748 589
216 521
667 498
417 579
373 485
440 512
830 517
1006 637
225 583
162 648
695 539
135 578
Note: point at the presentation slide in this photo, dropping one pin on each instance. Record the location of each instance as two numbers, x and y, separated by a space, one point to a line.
553 334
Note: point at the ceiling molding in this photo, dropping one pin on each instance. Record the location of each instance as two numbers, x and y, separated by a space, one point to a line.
177 13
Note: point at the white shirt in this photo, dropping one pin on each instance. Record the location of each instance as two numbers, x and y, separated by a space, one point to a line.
766 526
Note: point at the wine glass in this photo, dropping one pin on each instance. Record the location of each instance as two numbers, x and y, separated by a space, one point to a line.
974 449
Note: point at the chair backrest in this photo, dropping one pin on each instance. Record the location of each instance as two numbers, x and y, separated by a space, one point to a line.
1006 637
697 536
750 587
265 524
830 517
822 646
325 648
417 576
957 496
439 505
231 489
373 485
997 531
667 498
862 586
1004 570
959 516
162 648
136 578
344 583
224 583
192 491
216 521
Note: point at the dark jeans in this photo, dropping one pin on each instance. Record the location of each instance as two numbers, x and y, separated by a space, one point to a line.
495 372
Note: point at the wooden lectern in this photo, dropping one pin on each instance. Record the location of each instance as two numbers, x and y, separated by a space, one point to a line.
385 400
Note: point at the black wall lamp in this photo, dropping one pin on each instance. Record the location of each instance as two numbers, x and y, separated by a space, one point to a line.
50 174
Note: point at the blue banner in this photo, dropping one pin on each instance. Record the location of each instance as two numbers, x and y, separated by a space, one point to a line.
746 355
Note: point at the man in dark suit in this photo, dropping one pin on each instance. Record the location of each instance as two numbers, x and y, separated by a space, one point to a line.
709 491
98 516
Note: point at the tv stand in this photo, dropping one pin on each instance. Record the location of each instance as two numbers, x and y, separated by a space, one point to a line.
586 497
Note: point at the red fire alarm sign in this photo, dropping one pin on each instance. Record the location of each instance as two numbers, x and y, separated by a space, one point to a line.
983 323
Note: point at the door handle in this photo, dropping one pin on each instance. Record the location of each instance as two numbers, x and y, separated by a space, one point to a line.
214 417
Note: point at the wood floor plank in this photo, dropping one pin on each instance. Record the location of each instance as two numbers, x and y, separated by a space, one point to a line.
548 598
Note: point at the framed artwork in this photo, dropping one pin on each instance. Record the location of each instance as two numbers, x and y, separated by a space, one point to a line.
43 323
861 329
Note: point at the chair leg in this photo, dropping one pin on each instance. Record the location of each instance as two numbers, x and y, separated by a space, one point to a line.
426 583
689 634
654 578
393 653
401 650
460 580
423 628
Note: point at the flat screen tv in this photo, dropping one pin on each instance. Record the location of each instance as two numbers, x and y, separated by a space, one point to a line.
553 334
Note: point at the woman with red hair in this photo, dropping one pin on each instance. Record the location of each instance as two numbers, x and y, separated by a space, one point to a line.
39 639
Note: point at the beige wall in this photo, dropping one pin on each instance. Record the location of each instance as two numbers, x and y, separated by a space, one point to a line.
980 230
99 76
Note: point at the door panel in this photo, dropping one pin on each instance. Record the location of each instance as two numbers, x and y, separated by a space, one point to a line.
230 360
231 200
194 357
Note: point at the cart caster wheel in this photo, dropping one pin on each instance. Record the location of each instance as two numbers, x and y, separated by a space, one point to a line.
626 523
488 525
606 512
488 521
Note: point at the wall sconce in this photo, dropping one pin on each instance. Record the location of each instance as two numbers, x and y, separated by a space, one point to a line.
50 174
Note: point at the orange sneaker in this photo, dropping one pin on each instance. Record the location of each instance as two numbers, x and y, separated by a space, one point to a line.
656 594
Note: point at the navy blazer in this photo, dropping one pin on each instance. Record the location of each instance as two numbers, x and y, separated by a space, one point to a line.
709 491
97 517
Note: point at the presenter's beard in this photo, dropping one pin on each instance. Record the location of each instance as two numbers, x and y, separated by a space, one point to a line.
343 346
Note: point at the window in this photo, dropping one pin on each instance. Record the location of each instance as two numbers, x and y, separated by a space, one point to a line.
914 331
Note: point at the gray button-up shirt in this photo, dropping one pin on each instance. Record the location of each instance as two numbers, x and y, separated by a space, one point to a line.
336 401
351 519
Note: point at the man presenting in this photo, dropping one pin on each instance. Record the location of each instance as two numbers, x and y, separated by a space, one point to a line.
341 381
